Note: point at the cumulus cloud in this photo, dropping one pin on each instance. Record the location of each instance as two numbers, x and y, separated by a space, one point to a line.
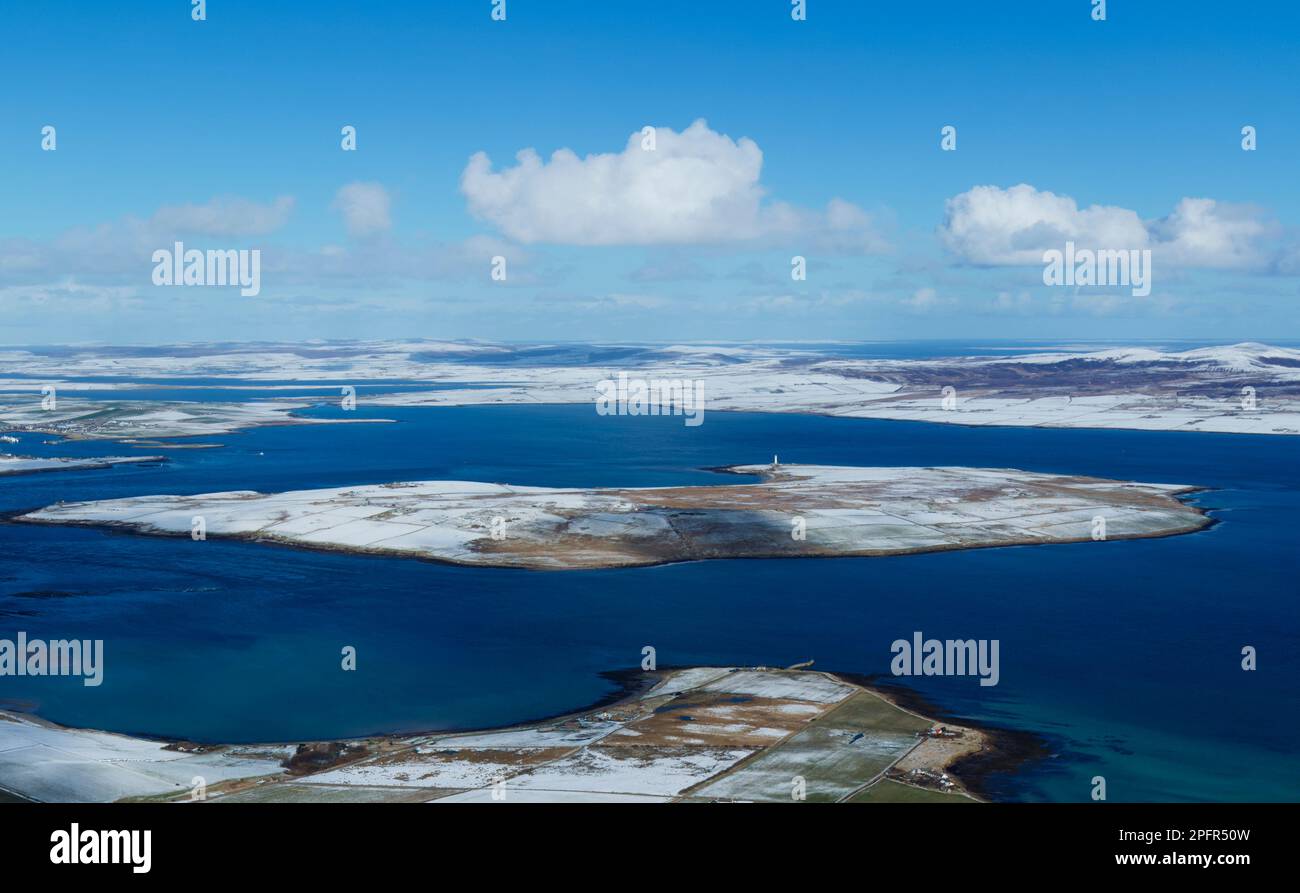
991 226
696 186
1204 233
365 208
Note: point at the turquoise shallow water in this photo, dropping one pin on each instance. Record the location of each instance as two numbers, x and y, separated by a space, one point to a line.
1125 655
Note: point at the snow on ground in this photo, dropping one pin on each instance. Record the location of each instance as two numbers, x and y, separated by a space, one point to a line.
24 464
1157 390
1114 387
60 765
430 772
781 686
845 511
682 680
627 770
624 753
589 733
123 418
510 794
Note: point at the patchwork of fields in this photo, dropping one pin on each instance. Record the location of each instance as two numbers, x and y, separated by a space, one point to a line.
699 734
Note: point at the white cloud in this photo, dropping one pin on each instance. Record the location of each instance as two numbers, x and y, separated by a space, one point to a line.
1204 233
697 186
67 297
922 299
120 251
991 226
365 208
224 216
995 227
122 248
613 301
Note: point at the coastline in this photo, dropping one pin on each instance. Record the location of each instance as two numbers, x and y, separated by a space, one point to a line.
640 697
65 463
1006 751
629 684
482 553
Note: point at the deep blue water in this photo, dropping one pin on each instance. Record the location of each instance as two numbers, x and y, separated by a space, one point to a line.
1126 655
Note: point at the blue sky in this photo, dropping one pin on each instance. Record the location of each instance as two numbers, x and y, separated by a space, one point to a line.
226 133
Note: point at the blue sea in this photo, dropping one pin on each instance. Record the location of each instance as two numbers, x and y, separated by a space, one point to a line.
1124 655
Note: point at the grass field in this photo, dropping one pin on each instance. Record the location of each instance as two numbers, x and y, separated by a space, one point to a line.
888 791
835 754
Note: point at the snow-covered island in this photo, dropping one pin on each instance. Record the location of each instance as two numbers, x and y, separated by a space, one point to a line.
697 734
131 419
792 511
29 464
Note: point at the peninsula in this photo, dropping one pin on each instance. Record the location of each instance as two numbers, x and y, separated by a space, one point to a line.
693 734
28 464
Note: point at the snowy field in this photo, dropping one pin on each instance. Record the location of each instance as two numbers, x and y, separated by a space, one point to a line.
27 464
798 510
700 733
1242 388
